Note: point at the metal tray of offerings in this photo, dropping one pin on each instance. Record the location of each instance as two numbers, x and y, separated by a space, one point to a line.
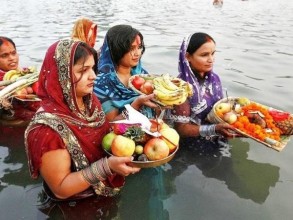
271 136
150 163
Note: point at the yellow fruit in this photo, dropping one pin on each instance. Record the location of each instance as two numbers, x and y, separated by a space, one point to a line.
171 137
122 146
243 101
138 149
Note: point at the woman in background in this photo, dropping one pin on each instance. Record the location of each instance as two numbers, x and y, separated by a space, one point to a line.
85 30
9 58
120 59
19 112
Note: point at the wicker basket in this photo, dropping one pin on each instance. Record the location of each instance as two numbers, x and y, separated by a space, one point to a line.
214 118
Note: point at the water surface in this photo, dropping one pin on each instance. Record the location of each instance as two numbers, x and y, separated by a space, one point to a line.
254 58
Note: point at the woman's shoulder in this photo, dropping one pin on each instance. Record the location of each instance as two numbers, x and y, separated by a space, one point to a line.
45 137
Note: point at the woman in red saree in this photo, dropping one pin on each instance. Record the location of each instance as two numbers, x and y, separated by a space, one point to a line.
63 141
19 113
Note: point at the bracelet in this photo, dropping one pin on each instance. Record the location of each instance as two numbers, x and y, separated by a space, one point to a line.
106 167
97 171
207 130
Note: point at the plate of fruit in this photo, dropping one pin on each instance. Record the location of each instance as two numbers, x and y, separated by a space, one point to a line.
168 90
149 148
269 126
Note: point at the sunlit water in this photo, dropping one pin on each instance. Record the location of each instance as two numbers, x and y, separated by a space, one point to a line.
254 58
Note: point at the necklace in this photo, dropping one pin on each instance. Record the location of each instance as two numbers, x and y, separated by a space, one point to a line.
82 108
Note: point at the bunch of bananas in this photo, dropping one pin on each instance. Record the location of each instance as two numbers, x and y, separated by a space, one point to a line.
171 91
14 74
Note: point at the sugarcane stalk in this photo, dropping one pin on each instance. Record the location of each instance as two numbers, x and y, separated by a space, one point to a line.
19 84
8 82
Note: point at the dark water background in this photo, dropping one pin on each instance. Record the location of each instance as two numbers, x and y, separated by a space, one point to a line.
245 180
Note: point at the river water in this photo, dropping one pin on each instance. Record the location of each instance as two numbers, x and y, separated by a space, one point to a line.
254 58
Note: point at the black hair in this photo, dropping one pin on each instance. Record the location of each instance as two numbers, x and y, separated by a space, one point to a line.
120 38
3 39
83 50
196 40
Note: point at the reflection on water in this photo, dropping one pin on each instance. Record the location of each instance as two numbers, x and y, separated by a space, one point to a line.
254 58
241 175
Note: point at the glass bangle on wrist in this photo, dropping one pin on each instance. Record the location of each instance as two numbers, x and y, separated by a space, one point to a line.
207 130
97 171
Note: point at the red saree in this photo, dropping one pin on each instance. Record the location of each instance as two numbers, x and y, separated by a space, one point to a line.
60 123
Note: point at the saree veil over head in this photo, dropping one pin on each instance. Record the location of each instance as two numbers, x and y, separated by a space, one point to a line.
206 93
60 118
111 92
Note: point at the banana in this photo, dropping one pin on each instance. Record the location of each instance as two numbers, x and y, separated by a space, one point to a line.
178 101
167 83
32 69
161 88
188 88
14 76
10 73
161 96
171 91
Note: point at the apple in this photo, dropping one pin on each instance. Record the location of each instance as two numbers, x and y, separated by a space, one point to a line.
147 87
222 108
21 93
29 90
122 146
107 141
171 137
156 149
138 149
137 82
230 117
35 87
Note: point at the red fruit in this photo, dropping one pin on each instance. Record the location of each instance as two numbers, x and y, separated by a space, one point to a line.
147 88
29 90
279 115
156 149
35 87
137 82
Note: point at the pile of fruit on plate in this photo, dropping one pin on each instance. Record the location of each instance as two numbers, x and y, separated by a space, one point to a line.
264 124
128 139
168 90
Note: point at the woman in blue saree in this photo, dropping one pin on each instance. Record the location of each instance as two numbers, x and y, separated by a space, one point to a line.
120 58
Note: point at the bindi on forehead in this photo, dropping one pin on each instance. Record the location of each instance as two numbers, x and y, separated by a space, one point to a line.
6 43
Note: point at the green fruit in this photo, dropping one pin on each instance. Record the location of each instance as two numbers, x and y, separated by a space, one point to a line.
243 101
107 140
138 149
